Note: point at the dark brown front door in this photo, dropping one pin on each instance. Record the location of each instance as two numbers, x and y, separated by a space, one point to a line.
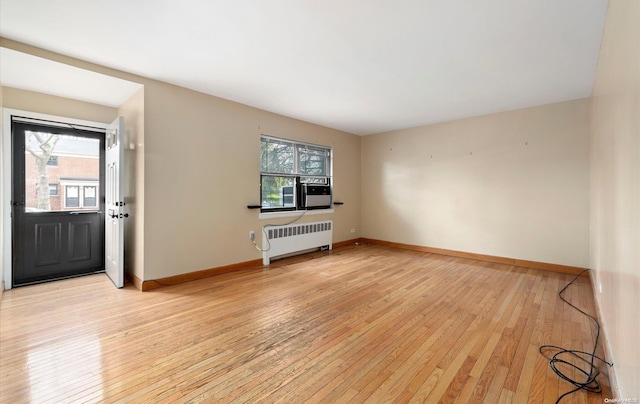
58 202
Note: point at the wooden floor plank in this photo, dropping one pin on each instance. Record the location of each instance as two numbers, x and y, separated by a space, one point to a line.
356 324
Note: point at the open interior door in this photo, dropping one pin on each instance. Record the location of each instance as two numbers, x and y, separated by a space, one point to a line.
114 203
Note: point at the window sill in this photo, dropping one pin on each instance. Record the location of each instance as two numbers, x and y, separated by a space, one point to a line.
294 213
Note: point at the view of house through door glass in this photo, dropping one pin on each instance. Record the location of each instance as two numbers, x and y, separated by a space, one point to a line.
58 212
62 172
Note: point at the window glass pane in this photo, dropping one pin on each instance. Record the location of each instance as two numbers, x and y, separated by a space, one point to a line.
277 191
313 160
54 161
89 197
72 192
276 156
71 197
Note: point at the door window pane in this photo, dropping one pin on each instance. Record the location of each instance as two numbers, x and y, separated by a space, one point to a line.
55 164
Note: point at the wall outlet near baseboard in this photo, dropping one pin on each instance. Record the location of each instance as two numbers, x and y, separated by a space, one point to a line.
252 235
353 230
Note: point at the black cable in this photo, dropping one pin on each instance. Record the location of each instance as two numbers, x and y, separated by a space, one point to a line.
589 384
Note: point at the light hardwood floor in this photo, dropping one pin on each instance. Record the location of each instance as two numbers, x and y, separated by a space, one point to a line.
358 324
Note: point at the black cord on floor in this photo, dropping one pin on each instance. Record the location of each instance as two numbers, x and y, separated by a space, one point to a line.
589 382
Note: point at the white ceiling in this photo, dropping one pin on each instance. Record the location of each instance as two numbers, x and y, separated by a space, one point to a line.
362 66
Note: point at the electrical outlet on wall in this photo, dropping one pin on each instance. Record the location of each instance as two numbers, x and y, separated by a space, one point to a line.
252 235
353 230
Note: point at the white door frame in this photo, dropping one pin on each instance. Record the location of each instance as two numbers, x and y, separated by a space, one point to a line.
7 175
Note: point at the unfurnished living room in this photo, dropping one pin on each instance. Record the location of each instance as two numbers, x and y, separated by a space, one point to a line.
331 202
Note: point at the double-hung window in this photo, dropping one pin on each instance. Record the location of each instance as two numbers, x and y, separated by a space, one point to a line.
285 166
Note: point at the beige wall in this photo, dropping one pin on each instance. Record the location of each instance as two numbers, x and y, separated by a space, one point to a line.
512 184
615 190
202 170
133 185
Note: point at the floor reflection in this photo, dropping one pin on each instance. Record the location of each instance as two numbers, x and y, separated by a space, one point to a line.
63 368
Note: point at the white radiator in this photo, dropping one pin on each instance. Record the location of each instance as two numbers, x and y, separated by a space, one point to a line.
282 240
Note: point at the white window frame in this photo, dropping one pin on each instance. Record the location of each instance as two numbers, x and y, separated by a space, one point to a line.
266 212
81 185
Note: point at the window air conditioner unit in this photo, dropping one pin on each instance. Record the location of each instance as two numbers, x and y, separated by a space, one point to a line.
315 196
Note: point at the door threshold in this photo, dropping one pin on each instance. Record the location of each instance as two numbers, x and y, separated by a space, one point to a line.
60 278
